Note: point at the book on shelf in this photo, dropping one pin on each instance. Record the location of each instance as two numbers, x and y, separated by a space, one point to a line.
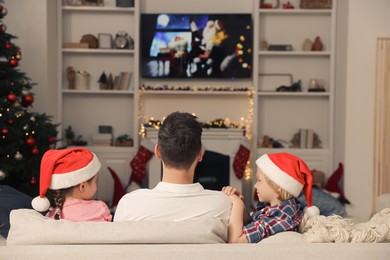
309 138
306 138
303 136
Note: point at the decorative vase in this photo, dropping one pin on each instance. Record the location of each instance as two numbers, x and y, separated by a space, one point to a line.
82 79
307 45
317 45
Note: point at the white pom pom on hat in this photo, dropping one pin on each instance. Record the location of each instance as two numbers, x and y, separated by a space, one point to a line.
62 169
40 204
291 174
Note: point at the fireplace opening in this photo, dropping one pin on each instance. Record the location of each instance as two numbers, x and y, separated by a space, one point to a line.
213 171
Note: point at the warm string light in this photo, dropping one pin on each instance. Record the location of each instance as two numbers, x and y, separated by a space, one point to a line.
248 125
249 134
142 131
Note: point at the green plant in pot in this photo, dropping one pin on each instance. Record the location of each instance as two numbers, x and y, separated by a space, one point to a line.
69 135
103 81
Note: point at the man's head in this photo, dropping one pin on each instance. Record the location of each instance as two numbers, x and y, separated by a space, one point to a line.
179 140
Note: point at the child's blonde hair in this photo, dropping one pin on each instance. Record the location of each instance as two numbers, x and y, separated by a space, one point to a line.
282 193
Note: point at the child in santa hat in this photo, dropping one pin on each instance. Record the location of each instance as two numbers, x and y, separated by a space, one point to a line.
71 174
280 179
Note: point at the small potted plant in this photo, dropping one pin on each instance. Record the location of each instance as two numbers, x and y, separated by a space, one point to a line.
69 135
103 81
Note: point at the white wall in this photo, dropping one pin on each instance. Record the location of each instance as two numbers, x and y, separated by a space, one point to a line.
367 20
28 20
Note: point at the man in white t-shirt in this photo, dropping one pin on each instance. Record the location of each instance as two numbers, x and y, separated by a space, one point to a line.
176 197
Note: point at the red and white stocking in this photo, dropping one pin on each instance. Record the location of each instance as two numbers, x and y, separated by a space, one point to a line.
138 163
241 158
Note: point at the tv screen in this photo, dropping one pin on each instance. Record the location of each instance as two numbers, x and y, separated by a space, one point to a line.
196 45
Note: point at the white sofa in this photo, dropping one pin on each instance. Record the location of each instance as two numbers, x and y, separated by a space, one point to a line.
33 236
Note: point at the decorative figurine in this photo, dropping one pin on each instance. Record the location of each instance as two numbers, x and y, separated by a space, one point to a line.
295 87
317 45
71 76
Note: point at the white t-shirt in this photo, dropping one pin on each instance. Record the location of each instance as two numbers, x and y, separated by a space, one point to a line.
173 202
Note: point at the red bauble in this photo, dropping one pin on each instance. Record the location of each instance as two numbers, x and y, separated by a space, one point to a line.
4 131
52 139
35 151
27 100
30 141
13 62
33 181
11 97
11 121
8 45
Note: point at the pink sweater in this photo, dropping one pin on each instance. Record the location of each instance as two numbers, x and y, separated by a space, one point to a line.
84 210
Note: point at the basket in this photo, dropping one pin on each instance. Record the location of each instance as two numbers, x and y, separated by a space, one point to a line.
315 4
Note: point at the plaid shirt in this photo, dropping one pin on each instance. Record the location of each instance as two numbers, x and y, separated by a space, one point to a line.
267 220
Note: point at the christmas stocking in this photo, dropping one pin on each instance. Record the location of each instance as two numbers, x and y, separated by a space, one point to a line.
138 164
332 185
241 158
119 191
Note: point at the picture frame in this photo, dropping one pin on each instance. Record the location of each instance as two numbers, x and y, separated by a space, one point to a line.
105 41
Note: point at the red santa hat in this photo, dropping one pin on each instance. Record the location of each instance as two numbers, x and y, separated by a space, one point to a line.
291 174
63 169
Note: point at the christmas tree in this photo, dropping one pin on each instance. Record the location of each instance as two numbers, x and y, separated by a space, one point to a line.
24 135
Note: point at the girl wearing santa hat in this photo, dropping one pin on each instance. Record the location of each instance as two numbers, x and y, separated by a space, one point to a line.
280 179
71 174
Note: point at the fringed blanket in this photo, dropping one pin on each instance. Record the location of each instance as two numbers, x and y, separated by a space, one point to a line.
335 229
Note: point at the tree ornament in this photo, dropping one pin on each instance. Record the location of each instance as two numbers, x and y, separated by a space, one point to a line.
33 181
27 100
32 119
3 11
35 151
2 175
10 121
18 156
18 55
52 139
3 28
8 45
30 141
4 131
13 62
16 104
11 98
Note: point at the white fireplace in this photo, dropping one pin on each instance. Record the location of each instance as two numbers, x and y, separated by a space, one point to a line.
223 141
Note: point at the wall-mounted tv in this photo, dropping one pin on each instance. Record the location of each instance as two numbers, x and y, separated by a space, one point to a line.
196 45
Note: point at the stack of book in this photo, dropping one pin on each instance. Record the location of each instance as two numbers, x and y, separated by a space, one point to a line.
122 81
102 140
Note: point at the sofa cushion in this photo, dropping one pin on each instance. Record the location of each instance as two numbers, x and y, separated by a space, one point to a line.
11 199
288 237
29 227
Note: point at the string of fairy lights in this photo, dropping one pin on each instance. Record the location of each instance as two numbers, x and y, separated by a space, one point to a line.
244 123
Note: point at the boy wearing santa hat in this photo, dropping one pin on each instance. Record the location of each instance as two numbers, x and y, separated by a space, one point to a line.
71 174
280 179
